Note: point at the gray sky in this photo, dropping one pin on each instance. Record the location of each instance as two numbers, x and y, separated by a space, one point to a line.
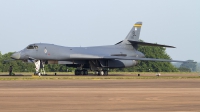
101 22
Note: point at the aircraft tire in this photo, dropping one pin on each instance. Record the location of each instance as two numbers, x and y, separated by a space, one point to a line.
81 72
76 72
101 72
105 72
98 73
85 72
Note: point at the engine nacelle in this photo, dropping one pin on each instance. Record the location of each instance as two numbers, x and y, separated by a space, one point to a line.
121 63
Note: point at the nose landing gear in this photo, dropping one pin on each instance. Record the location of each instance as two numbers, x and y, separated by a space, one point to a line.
39 65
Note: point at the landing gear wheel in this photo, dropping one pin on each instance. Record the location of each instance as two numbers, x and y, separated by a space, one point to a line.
96 72
85 72
81 72
105 72
36 73
76 72
100 73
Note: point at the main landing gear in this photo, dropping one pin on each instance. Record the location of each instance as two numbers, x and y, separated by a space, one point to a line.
95 66
101 72
81 72
85 72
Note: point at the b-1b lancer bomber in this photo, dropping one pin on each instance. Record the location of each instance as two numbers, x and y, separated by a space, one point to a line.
98 58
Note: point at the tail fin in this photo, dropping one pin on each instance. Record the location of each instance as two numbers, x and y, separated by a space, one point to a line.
134 34
133 38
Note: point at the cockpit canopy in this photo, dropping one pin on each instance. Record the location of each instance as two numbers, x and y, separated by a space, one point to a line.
32 47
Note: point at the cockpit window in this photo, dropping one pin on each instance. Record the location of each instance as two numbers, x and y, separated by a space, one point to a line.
35 47
32 47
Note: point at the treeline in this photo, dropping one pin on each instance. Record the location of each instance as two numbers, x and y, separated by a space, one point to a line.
188 67
143 66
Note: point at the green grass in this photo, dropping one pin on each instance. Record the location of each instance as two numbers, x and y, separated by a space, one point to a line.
92 77
30 73
129 75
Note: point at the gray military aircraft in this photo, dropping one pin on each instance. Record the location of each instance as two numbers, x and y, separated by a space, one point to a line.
98 58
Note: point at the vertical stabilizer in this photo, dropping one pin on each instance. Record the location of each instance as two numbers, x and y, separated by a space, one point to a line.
134 34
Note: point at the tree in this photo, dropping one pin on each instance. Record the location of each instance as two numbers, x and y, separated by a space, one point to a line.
198 67
189 65
0 55
1 63
182 69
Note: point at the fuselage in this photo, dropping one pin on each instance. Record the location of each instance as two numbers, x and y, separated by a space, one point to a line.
45 51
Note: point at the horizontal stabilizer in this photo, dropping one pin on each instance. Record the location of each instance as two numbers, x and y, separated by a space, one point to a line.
149 44
142 59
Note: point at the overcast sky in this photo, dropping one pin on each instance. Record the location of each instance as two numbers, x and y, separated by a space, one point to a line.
101 22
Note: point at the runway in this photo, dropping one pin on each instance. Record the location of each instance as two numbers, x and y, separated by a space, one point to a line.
100 95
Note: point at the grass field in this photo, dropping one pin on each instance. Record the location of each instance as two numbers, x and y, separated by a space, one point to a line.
116 73
112 75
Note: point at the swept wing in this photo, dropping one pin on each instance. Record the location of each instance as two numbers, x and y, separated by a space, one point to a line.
91 57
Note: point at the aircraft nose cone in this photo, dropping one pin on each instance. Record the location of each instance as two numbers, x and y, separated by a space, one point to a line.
15 55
